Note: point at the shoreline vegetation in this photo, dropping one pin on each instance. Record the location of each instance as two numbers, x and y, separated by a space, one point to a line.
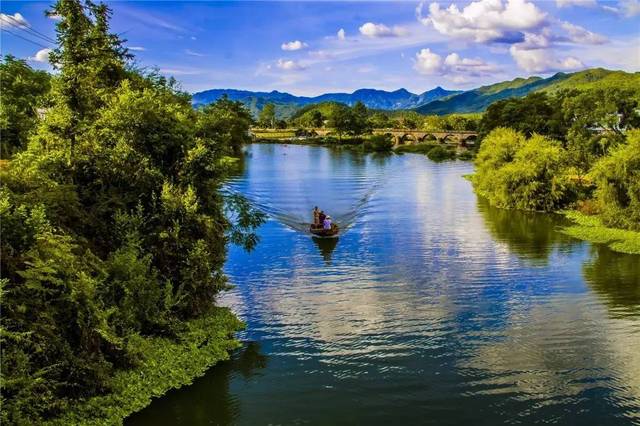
591 228
168 364
435 151
114 229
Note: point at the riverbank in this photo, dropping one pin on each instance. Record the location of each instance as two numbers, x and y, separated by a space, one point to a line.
168 364
590 228
435 152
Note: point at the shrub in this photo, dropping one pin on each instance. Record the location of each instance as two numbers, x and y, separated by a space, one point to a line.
617 177
378 143
528 174
440 153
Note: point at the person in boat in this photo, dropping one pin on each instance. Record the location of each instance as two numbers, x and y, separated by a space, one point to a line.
326 224
321 218
316 216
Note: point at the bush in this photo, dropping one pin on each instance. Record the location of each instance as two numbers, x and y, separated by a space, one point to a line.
440 153
617 177
528 174
378 143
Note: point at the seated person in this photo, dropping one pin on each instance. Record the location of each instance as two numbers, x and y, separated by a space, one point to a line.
321 218
326 224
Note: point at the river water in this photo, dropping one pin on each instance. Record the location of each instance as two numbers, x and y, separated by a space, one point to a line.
431 308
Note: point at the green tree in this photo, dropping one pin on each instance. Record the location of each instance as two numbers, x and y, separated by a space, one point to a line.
360 119
91 62
23 92
267 116
527 174
341 119
617 177
227 120
317 119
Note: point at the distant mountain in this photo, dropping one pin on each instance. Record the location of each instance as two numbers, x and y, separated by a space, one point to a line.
477 100
436 101
286 104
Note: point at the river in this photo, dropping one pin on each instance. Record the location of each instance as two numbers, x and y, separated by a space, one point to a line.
431 308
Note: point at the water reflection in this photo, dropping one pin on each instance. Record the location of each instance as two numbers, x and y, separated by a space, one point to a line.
531 235
209 397
326 247
615 277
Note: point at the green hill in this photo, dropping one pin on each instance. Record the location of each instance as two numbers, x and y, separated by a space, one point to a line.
477 100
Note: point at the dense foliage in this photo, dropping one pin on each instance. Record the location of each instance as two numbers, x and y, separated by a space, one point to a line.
572 148
23 92
112 225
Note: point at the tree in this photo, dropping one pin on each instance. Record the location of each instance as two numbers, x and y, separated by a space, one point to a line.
227 120
360 119
317 119
617 177
23 92
91 62
268 116
341 119
527 174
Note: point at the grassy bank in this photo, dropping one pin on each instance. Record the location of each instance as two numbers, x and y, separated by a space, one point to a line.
590 228
167 364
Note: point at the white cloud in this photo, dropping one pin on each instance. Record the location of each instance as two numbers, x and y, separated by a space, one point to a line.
581 3
137 48
625 8
542 60
41 55
193 53
380 30
13 21
341 34
453 67
289 65
181 71
428 63
577 34
294 45
485 20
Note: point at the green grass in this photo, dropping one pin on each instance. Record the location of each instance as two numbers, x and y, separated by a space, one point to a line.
167 364
590 228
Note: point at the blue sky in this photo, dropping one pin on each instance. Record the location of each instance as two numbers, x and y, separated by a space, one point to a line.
308 48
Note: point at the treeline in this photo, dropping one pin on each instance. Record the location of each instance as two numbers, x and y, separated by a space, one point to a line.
113 228
571 149
359 119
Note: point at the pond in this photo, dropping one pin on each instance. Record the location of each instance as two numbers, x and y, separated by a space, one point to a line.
431 308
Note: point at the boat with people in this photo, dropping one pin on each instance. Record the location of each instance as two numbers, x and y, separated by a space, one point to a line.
323 225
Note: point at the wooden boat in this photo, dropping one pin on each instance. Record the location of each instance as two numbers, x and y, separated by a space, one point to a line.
321 232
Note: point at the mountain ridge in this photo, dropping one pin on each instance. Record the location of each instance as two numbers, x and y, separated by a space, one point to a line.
285 102
437 101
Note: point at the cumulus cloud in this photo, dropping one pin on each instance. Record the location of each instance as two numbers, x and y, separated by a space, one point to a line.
485 20
41 55
381 30
341 34
294 45
531 33
534 56
453 67
581 3
13 21
289 65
